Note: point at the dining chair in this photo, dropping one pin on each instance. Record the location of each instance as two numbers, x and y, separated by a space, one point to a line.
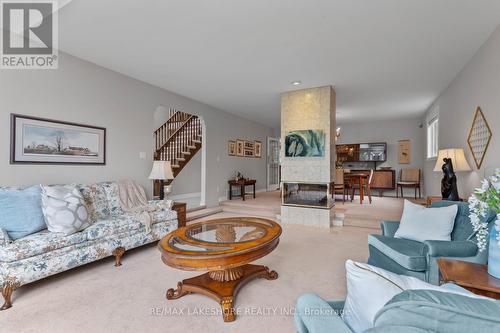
339 184
409 178
367 187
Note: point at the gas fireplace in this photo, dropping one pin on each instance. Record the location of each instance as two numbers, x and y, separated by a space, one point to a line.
312 195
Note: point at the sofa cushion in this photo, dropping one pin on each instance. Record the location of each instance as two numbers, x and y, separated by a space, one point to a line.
38 243
96 201
407 253
21 213
112 226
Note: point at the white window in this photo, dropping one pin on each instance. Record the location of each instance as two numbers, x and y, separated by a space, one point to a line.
432 137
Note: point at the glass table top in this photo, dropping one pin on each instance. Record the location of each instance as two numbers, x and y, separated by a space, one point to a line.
223 235
227 233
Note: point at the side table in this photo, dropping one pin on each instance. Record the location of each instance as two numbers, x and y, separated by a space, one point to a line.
180 208
471 276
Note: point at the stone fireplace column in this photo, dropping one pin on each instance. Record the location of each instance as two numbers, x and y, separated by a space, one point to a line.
301 110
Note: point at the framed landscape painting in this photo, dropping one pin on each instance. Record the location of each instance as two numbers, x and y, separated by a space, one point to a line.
45 141
305 143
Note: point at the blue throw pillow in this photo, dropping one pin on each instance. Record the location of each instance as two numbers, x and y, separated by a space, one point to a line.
21 211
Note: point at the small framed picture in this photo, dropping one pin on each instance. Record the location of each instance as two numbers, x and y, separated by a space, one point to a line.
240 148
231 148
258 149
46 141
249 145
249 153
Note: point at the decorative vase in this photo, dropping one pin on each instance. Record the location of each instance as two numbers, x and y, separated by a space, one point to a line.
494 254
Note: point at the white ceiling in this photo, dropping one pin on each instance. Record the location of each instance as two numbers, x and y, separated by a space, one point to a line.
386 58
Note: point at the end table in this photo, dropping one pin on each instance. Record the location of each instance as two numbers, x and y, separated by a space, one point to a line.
471 276
180 208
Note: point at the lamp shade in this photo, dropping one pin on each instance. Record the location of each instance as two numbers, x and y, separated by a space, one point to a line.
457 159
162 170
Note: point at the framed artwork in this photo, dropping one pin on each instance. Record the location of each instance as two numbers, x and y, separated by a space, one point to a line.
258 149
305 143
46 141
249 153
231 148
479 137
404 152
249 145
240 148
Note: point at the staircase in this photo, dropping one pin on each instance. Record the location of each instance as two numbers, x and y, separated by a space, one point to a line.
177 141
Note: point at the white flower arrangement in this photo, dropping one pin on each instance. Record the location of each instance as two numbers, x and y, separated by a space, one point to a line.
485 199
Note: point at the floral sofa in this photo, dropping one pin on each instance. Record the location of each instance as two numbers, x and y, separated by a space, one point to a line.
112 231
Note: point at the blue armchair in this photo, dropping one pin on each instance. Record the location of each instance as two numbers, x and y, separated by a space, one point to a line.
418 259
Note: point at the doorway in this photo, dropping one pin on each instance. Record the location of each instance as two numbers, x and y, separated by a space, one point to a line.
273 164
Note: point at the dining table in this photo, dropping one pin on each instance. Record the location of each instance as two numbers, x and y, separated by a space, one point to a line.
359 178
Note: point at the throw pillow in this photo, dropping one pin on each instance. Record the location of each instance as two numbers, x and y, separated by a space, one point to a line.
112 195
21 211
369 288
64 209
96 201
419 223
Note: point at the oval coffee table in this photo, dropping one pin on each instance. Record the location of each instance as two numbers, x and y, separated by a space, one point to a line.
223 248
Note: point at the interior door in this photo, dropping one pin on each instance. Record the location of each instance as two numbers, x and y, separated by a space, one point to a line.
273 164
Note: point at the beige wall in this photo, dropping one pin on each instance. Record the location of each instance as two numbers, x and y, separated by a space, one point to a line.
82 92
478 84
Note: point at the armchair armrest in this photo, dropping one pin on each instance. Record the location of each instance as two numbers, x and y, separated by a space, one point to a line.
437 248
315 315
389 228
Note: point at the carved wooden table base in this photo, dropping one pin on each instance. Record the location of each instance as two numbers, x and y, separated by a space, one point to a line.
223 287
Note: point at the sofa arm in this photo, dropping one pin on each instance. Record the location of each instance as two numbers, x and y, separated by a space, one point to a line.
315 315
389 228
436 248
4 237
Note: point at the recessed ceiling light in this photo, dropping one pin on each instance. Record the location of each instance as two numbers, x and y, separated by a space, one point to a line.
297 83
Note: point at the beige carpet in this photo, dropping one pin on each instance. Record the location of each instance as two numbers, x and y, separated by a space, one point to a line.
102 298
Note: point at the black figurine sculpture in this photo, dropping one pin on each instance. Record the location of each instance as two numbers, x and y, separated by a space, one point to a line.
449 182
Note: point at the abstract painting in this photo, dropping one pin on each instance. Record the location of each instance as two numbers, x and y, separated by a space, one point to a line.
305 143
37 140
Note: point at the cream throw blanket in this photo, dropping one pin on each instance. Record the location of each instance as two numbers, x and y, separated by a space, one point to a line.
133 200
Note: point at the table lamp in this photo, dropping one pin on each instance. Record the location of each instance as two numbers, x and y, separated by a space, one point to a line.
449 161
162 170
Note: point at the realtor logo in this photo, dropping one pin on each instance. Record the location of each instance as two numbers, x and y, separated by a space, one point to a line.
29 34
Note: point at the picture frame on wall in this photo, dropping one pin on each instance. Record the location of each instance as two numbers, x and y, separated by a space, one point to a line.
231 148
249 153
240 148
258 149
249 145
45 141
404 151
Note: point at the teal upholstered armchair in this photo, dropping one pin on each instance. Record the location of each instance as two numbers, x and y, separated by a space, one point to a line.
418 259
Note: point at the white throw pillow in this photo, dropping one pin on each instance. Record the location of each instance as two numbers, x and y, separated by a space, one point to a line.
64 209
419 223
369 288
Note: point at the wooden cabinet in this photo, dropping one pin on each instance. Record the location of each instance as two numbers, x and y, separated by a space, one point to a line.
383 180
362 152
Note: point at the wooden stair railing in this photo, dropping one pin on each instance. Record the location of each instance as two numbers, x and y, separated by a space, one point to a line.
177 141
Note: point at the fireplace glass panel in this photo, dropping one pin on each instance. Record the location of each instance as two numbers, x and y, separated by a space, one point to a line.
308 195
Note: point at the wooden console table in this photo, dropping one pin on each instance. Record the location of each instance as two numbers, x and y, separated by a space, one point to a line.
471 276
241 184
